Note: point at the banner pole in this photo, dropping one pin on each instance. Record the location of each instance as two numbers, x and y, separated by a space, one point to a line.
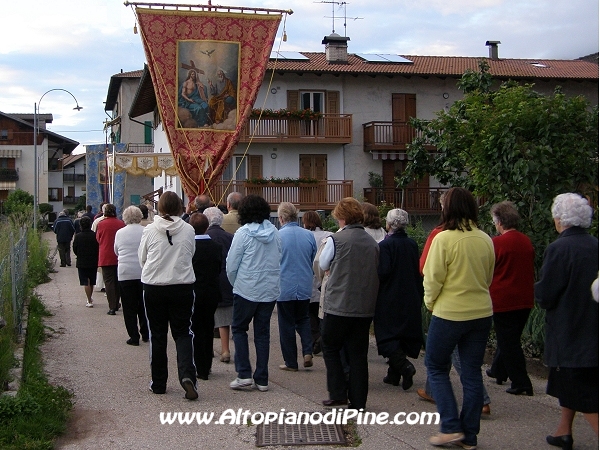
211 7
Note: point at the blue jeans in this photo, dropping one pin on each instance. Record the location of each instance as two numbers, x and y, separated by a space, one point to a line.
293 317
245 311
470 337
456 363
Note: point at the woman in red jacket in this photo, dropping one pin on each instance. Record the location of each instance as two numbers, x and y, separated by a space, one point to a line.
512 297
107 258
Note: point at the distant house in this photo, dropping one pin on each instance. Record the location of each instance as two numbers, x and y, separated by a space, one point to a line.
365 102
17 161
74 179
135 134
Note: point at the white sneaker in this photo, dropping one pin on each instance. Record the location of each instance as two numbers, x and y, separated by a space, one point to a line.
259 387
89 305
241 383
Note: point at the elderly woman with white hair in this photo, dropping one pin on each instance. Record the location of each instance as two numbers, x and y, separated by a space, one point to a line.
129 274
571 347
398 310
224 312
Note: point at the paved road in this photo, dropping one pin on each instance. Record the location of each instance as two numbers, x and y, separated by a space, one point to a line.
86 353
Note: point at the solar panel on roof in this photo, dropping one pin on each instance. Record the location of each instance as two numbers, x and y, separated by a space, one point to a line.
383 58
288 56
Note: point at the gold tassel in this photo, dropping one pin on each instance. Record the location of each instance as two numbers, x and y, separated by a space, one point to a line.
135 29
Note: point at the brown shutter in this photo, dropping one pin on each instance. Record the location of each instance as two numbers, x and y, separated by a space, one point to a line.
254 166
320 172
404 106
305 166
293 100
332 102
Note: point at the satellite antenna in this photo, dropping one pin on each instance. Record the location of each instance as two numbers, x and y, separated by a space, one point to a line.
333 18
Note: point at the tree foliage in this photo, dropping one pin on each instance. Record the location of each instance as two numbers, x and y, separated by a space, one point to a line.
512 144
18 201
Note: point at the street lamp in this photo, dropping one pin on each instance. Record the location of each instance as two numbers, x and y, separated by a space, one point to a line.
36 109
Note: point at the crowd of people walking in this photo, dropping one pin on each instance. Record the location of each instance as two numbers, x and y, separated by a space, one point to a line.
219 269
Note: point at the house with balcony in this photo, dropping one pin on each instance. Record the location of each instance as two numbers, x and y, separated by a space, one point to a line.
362 104
134 134
74 179
17 157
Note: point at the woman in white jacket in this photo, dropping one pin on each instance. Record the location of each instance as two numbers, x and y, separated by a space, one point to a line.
165 254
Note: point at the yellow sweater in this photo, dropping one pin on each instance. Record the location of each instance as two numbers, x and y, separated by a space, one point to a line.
458 273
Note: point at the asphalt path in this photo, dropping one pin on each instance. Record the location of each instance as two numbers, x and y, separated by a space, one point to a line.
87 354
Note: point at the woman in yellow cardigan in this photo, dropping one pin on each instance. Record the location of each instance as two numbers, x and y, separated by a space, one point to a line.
458 273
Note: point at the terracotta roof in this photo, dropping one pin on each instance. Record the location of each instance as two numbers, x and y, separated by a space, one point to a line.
444 66
130 74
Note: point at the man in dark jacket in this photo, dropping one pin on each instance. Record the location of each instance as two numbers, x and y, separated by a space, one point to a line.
64 230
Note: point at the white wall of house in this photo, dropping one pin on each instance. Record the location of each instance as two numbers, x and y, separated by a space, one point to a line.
167 182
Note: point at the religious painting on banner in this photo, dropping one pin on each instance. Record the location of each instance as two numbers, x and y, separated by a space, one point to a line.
208 80
206 66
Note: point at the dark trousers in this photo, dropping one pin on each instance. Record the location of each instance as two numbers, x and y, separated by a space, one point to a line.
170 306
315 322
509 361
132 297
352 334
64 252
111 284
203 324
293 317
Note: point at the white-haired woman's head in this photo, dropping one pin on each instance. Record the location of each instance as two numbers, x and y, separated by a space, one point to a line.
396 219
572 210
214 216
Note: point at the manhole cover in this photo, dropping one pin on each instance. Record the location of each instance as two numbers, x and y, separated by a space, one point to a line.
275 434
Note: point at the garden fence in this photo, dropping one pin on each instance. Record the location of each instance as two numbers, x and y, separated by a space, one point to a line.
13 273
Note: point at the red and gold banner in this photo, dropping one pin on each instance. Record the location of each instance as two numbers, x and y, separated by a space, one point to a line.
207 68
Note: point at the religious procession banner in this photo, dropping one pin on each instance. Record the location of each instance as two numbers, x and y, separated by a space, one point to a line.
207 67
147 164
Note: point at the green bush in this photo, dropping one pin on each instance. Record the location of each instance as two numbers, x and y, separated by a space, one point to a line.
39 412
18 201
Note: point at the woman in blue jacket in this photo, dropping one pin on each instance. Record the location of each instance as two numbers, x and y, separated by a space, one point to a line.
253 271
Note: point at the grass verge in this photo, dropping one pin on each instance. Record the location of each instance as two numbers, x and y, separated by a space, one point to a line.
39 411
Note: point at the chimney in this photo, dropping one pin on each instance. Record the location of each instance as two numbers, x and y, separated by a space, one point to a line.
336 49
493 45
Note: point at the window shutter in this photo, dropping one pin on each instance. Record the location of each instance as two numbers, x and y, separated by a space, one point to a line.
305 166
254 166
293 100
332 102
147 132
320 172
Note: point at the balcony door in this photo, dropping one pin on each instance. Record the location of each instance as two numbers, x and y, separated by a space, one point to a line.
404 106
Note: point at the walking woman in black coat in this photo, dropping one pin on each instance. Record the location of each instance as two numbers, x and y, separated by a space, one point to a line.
398 311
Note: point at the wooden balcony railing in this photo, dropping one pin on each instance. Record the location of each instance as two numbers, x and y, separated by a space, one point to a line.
9 174
412 200
328 129
73 177
306 196
387 136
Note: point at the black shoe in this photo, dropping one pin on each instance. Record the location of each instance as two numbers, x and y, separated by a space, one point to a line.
145 338
63 265
317 348
103 290
407 375
111 312
565 442
202 377
190 389
491 374
335 402
130 341
518 391
69 265
392 377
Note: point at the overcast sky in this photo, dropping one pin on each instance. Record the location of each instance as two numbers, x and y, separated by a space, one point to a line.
78 45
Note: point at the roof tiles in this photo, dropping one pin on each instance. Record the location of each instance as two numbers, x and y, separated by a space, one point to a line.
445 66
